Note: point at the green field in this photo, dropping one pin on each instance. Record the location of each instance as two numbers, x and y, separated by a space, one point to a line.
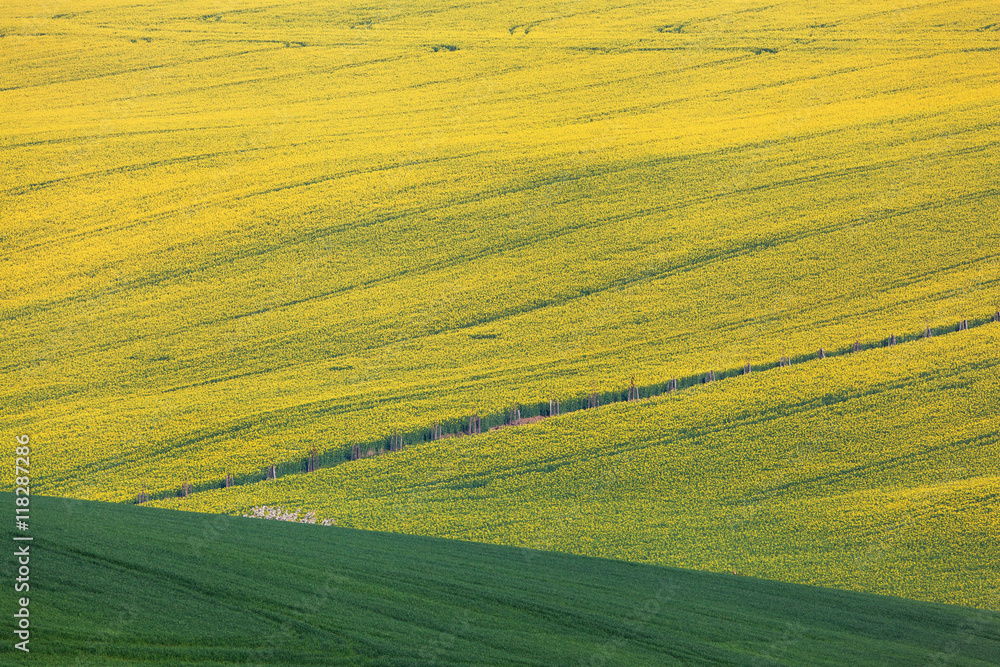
116 585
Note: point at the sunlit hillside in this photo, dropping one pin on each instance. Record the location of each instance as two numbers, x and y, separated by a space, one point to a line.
233 232
127 586
874 472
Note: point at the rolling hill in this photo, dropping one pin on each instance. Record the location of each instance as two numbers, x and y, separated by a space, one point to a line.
233 234
121 585
874 471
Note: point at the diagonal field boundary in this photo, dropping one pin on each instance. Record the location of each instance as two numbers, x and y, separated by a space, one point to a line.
527 414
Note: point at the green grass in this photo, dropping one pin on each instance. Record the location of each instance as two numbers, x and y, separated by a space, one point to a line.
874 471
119 585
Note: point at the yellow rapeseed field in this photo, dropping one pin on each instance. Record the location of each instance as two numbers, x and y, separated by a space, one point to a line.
874 472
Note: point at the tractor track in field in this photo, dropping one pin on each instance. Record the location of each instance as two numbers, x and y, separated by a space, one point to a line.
878 466
120 135
703 262
126 169
144 69
693 262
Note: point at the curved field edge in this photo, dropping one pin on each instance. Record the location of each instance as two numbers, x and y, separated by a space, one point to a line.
874 471
143 586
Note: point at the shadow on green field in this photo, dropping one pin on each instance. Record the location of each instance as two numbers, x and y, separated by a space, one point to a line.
123 585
